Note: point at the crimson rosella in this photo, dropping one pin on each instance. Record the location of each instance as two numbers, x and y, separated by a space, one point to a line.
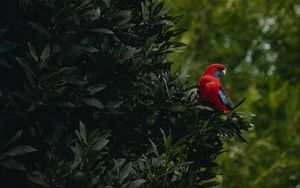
211 89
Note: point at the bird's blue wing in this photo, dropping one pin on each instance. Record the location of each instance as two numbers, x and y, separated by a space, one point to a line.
224 98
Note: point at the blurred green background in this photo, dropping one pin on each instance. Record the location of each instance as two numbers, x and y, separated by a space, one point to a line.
258 41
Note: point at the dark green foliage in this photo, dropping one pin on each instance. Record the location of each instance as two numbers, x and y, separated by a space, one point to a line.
88 85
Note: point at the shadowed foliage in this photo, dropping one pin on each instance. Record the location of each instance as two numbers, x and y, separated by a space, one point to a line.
87 99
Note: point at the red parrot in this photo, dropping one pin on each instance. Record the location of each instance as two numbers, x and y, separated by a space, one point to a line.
211 89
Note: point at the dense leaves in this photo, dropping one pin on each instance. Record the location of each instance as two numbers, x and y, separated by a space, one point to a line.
88 84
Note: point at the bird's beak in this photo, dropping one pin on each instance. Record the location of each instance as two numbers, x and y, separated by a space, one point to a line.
223 71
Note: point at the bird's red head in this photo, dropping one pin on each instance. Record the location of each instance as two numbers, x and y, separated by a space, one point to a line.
215 70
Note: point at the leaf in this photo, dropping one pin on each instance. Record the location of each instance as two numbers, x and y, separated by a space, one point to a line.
119 163
19 150
201 107
12 164
177 44
125 172
75 79
93 102
162 12
78 152
100 144
27 71
45 53
78 135
164 135
154 148
144 11
37 178
91 49
182 140
157 7
32 51
165 22
115 104
107 3
82 131
39 28
103 30
14 138
62 103
136 183
123 22
178 32
168 142
96 88
209 184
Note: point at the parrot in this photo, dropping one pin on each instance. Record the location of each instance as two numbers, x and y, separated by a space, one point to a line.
211 90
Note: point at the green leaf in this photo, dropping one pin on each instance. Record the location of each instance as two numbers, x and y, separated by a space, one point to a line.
14 138
177 44
165 22
156 8
103 30
154 148
168 142
19 150
62 103
201 107
78 135
93 102
27 70
82 131
136 183
182 140
37 178
96 88
162 12
100 144
92 136
119 163
209 184
32 51
45 53
78 153
125 172
145 11
115 104
12 164
39 28
75 79
107 3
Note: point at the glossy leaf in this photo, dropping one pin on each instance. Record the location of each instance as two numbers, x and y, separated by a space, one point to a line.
12 164
19 150
93 102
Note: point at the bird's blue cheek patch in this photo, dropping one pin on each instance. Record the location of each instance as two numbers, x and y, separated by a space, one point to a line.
217 74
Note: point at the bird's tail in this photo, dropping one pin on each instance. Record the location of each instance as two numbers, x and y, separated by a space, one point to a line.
239 103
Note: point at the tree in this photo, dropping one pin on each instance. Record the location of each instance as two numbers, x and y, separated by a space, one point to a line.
258 41
87 92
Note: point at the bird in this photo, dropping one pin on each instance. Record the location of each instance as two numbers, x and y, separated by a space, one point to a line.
211 90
